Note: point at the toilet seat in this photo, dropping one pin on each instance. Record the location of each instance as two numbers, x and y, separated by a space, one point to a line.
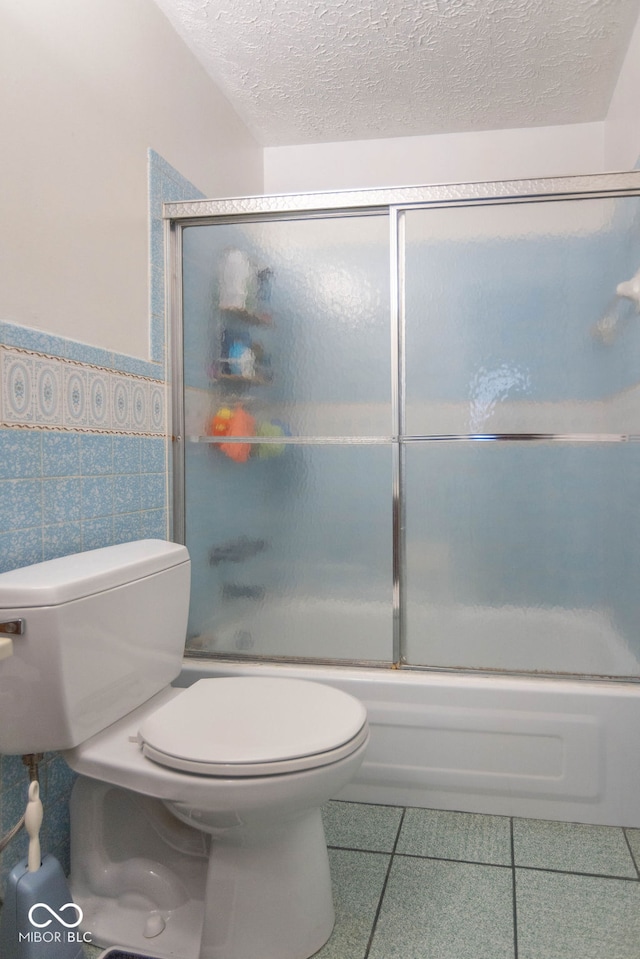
253 726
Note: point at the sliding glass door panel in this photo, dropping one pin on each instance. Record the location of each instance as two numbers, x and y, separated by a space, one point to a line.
289 318
522 556
291 551
513 322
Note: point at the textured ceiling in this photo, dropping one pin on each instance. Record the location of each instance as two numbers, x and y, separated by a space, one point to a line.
309 71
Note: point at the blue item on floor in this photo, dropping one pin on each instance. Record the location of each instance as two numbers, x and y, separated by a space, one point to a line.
39 919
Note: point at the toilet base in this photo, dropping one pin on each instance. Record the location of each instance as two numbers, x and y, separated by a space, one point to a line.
119 926
270 898
135 869
142 877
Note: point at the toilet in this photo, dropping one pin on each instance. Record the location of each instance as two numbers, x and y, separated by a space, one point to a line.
196 830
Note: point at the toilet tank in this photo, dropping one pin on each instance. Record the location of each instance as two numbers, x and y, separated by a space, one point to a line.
103 631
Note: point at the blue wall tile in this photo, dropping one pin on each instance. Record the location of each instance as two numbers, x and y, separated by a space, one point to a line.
61 499
97 532
152 489
97 496
165 184
20 455
20 504
155 457
127 527
157 337
28 339
126 493
126 454
83 353
61 540
61 454
20 547
96 455
153 523
14 800
11 769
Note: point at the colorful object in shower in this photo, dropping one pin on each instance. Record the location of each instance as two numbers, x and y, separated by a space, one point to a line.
237 355
219 424
242 360
240 424
270 428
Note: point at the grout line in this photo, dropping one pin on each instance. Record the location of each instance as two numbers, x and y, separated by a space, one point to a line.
370 852
633 858
465 862
506 865
573 872
513 886
384 886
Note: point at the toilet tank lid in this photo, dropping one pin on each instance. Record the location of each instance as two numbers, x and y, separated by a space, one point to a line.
67 578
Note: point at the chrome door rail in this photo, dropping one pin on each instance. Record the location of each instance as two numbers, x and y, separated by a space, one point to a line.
174 301
523 438
398 405
426 438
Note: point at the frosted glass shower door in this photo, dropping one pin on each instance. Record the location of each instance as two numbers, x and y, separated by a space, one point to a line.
521 459
288 454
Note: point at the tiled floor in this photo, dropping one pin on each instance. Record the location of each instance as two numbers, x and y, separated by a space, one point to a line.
423 884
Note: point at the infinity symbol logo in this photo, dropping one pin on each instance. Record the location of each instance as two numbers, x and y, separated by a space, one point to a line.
56 915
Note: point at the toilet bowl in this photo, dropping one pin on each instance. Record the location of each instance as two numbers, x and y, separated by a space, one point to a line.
248 761
216 788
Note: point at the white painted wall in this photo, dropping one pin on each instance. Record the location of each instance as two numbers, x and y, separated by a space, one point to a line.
86 86
622 126
452 158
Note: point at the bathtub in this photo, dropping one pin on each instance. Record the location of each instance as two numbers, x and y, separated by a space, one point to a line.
506 638
543 748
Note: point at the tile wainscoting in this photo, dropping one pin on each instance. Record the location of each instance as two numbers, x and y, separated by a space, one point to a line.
83 453
46 391
83 464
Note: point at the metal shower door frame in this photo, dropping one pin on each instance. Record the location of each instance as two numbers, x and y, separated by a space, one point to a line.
393 202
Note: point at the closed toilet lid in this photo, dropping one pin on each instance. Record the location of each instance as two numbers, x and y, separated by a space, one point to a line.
244 726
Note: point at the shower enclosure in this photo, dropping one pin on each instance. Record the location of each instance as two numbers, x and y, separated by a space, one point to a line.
406 426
